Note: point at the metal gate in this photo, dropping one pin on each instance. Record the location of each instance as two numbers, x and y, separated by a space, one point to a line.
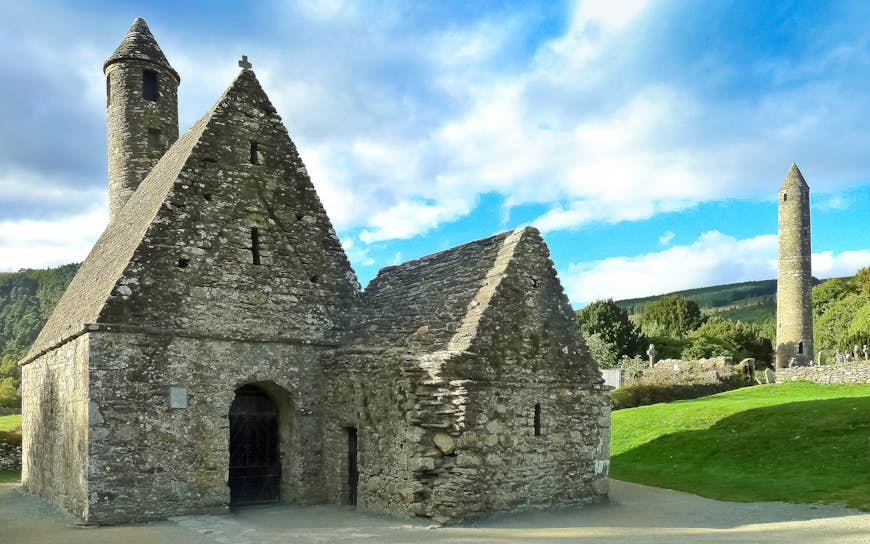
255 468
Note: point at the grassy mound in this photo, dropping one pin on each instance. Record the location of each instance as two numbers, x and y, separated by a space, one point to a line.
796 442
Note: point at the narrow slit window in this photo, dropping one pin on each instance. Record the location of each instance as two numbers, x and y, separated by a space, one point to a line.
800 347
153 139
255 245
255 153
784 197
150 85
537 419
108 90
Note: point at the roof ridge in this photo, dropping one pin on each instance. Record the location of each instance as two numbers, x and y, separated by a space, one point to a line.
481 301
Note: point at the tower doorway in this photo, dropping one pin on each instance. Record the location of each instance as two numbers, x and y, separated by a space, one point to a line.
255 465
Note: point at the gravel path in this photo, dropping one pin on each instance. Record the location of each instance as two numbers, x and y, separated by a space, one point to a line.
636 514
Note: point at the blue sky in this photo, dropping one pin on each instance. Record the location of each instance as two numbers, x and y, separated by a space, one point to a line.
647 140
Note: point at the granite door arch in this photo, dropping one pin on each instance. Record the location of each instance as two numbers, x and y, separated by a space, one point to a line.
255 447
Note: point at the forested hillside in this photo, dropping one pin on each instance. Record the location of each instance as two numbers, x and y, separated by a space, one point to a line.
27 297
714 297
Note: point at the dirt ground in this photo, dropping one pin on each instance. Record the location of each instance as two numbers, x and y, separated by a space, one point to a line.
636 514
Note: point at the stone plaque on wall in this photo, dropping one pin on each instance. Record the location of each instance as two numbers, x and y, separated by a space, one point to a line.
178 397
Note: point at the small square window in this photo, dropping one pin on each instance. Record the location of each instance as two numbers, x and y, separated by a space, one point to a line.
256 155
154 140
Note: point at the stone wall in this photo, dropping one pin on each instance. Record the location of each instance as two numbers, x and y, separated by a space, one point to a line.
149 460
528 353
373 392
10 456
835 373
54 399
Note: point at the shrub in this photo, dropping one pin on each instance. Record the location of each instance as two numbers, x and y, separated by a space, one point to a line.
643 393
668 347
723 337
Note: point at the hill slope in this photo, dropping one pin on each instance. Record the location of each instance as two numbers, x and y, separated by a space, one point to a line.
27 297
750 301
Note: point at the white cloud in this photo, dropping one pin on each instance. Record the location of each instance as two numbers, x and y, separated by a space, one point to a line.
37 244
666 238
714 258
408 219
832 265
833 202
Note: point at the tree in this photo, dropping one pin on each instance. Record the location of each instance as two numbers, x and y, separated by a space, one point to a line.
829 292
844 324
614 332
862 280
723 337
602 352
671 315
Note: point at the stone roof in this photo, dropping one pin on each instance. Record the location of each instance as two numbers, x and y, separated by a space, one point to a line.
86 296
794 178
139 44
436 301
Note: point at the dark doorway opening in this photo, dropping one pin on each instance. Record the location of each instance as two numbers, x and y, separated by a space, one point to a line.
352 467
255 467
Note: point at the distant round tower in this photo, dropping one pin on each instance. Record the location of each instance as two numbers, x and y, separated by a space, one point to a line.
794 299
142 111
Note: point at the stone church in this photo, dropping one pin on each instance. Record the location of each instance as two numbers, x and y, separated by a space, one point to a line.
215 347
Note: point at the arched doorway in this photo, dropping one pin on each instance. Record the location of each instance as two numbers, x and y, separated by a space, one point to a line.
255 465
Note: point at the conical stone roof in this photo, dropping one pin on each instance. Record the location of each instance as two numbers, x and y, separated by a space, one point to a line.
139 44
794 178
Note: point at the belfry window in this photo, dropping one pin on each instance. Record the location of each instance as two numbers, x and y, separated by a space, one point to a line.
255 245
256 156
150 85
537 419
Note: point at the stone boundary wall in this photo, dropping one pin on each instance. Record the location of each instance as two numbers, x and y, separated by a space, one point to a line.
836 373
10 456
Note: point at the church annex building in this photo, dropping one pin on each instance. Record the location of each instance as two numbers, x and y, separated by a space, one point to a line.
215 347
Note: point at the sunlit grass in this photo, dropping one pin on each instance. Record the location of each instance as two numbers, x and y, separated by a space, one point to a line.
795 442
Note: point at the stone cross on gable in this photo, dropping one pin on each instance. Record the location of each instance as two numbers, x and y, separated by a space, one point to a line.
245 65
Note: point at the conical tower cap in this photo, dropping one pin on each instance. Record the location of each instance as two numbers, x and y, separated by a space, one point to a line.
139 44
794 178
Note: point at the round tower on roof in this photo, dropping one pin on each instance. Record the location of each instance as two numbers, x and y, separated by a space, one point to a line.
794 296
141 111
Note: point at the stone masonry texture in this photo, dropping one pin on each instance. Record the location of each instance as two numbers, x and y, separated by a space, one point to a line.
794 297
462 374
836 373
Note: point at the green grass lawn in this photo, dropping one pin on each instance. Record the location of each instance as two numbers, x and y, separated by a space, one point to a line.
10 425
795 442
